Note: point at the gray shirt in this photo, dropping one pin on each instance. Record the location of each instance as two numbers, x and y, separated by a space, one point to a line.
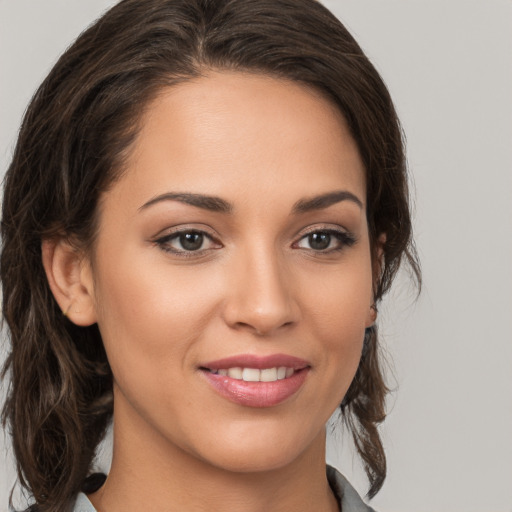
347 496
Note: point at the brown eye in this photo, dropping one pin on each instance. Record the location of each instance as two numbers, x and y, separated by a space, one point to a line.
319 241
326 241
192 241
186 242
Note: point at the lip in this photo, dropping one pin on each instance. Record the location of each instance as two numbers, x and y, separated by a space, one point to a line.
258 362
256 394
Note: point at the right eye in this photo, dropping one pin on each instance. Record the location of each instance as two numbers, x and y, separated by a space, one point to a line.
185 242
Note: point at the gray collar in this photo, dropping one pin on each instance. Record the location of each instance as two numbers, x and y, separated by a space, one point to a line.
349 500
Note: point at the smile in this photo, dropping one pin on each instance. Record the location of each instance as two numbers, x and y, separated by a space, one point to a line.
255 374
256 381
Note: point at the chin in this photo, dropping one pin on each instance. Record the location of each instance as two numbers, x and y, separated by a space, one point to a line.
251 462
261 452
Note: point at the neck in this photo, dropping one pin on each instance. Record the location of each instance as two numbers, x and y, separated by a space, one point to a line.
150 473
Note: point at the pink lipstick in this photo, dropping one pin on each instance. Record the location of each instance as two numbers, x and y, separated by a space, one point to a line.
256 381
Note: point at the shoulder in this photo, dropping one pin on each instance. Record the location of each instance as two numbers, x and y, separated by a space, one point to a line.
349 499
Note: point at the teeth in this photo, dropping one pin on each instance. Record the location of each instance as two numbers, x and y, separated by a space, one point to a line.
255 375
268 375
251 375
235 373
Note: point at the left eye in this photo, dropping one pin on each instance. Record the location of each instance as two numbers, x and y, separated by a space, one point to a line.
186 241
325 241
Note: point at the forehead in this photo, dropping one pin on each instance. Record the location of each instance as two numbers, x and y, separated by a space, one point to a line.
224 131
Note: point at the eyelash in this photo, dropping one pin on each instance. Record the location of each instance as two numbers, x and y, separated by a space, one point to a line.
344 239
165 242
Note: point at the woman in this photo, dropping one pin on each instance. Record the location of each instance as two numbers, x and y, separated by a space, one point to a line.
207 201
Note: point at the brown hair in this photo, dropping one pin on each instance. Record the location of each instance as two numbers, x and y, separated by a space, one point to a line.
75 132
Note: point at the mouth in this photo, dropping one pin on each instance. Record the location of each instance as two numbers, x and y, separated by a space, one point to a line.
257 381
254 374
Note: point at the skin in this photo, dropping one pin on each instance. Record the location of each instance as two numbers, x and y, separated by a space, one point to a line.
256 287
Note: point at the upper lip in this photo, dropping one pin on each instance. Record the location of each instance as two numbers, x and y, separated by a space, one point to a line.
257 362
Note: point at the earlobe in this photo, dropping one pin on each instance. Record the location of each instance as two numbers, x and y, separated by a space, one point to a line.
70 280
371 318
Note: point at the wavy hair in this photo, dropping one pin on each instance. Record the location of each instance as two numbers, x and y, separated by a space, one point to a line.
74 136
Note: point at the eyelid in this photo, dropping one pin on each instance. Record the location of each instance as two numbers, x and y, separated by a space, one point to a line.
347 238
164 237
325 227
184 228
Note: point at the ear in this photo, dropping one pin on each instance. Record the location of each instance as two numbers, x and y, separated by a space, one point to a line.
70 278
377 265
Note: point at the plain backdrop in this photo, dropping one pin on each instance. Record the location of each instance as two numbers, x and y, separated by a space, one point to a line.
448 64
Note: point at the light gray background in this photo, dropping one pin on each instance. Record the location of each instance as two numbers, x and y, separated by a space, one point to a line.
448 64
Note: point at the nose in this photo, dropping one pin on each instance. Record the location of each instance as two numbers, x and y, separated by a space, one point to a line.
261 298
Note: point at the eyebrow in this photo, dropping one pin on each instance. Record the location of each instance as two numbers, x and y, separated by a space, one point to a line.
218 205
325 200
211 203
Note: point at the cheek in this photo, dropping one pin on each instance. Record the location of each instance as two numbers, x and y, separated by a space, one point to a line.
338 315
340 300
151 322
150 317
158 321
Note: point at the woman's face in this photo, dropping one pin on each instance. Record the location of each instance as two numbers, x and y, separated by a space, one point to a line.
231 277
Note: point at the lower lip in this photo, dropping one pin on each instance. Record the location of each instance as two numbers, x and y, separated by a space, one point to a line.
257 394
